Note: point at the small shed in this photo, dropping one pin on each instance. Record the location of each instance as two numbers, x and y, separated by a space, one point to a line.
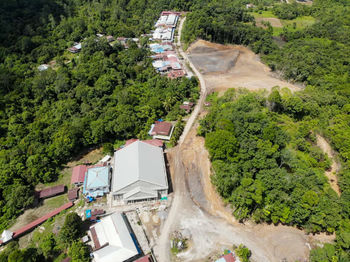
227 258
6 236
73 194
106 159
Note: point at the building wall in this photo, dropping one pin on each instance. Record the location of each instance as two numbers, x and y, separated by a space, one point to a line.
139 183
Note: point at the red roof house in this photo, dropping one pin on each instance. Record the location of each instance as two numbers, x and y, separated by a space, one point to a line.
51 191
176 73
78 175
161 128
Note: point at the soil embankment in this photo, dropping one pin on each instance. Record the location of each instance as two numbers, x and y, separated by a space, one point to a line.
331 174
196 205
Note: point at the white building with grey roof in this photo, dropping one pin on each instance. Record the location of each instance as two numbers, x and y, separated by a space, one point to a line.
112 240
139 174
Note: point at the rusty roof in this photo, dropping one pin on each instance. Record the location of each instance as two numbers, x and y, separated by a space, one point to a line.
73 193
162 128
51 191
95 238
40 220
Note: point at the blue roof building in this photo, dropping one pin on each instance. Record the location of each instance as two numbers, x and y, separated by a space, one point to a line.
97 181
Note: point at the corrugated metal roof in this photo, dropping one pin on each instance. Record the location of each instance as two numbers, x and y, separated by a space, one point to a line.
40 220
73 194
139 161
162 128
153 142
51 191
97 177
113 231
78 174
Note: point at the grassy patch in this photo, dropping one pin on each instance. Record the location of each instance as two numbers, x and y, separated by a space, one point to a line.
55 202
300 22
292 25
263 14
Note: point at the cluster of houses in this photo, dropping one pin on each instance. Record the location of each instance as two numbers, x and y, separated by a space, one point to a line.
165 59
165 26
138 174
76 48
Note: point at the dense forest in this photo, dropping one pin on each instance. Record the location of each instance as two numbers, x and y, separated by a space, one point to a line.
225 22
272 170
104 94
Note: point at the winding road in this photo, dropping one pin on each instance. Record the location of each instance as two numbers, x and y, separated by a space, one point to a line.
211 230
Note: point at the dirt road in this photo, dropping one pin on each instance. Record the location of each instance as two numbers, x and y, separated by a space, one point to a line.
330 174
197 207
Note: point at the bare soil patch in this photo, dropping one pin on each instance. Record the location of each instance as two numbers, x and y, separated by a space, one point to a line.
267 242
215 60
335 167
275 22
247 71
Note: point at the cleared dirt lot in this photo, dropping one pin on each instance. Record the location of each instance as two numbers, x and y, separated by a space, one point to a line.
239 67
196 205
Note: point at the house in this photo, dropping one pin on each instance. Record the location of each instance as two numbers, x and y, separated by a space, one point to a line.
187 106
43 67
161 130
6 236
78 175
97 181
51 191
75 49
164 33
226 258
176 73
249 6
112 240
139 173
73 194
109 38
